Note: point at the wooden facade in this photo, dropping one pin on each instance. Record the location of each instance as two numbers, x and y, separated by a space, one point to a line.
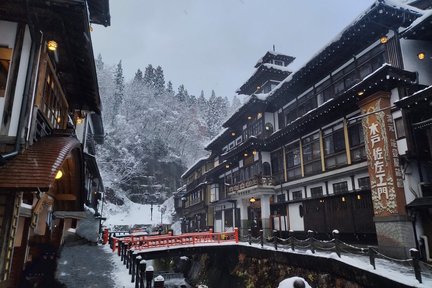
50 120
311 138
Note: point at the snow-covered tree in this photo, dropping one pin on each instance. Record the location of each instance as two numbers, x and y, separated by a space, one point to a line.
149 76
159 80
170 89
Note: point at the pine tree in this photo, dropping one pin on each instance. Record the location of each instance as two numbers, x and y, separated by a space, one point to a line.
182 93
119 88
235 104
202 104
159 80
138 76
149 76
99 63
169 88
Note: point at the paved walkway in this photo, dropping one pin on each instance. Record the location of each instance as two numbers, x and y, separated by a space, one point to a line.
84 265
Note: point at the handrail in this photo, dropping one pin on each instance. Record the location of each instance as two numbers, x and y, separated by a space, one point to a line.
140 242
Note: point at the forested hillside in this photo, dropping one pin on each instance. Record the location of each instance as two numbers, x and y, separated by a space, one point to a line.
152 132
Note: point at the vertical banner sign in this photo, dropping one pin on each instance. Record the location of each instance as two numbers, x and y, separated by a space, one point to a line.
382 155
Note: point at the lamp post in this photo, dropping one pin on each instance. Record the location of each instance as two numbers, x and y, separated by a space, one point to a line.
254 223
162 209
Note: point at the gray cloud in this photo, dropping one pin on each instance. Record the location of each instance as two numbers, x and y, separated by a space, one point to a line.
214 44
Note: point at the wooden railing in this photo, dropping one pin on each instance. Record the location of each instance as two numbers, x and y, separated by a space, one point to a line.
142 242
256 181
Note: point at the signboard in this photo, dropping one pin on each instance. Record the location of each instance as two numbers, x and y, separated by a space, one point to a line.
382 156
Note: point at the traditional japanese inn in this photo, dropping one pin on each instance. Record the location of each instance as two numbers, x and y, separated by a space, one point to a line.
343 143
50 112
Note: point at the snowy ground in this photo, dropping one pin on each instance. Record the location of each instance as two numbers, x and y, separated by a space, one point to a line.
132 213
402 273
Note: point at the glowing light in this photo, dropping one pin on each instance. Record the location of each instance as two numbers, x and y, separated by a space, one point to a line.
383 39
252 200
59 175
52 45
421 55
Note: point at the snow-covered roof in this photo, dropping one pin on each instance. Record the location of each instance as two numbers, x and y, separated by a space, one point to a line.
191 168
214 139
274 55
380 3
278 71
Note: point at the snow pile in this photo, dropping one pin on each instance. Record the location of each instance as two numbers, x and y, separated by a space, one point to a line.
294 282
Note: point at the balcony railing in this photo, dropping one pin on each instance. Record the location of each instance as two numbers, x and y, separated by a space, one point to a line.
256 181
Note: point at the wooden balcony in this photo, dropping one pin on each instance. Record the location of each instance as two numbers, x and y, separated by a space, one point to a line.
256 182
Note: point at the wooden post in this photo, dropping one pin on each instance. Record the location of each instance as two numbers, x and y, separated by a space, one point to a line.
143 266
138 273
311 241
262 238
337 242
291 237
159 282
149 276
132 266
236 234
372 254
415 255
275 239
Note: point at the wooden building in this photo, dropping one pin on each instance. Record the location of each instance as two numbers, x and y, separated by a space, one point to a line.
326 147
50 113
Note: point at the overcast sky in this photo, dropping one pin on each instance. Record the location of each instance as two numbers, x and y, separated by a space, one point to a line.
214 44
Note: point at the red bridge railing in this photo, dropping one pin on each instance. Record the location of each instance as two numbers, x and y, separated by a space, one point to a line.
142 242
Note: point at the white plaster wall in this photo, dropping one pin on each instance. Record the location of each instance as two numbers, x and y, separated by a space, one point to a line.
342 179
265 157
394 96
276 120
7 39
79 130
402 146
410 49
296 223
411 182
21 79
268 118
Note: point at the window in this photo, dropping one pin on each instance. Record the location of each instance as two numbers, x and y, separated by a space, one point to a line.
53 103
340 187
371 61
356 141
277 166
400 128
291 113
364 183
281 119
293 161
334 146
281 198
5 58
214 192
316 191
297 195
312 154
306 103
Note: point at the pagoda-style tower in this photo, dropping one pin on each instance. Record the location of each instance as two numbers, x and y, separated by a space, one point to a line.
271 69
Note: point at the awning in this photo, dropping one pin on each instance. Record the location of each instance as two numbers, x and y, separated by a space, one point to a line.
422 202
37 166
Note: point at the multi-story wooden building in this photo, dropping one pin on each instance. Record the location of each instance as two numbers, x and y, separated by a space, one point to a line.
333 145
50 115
